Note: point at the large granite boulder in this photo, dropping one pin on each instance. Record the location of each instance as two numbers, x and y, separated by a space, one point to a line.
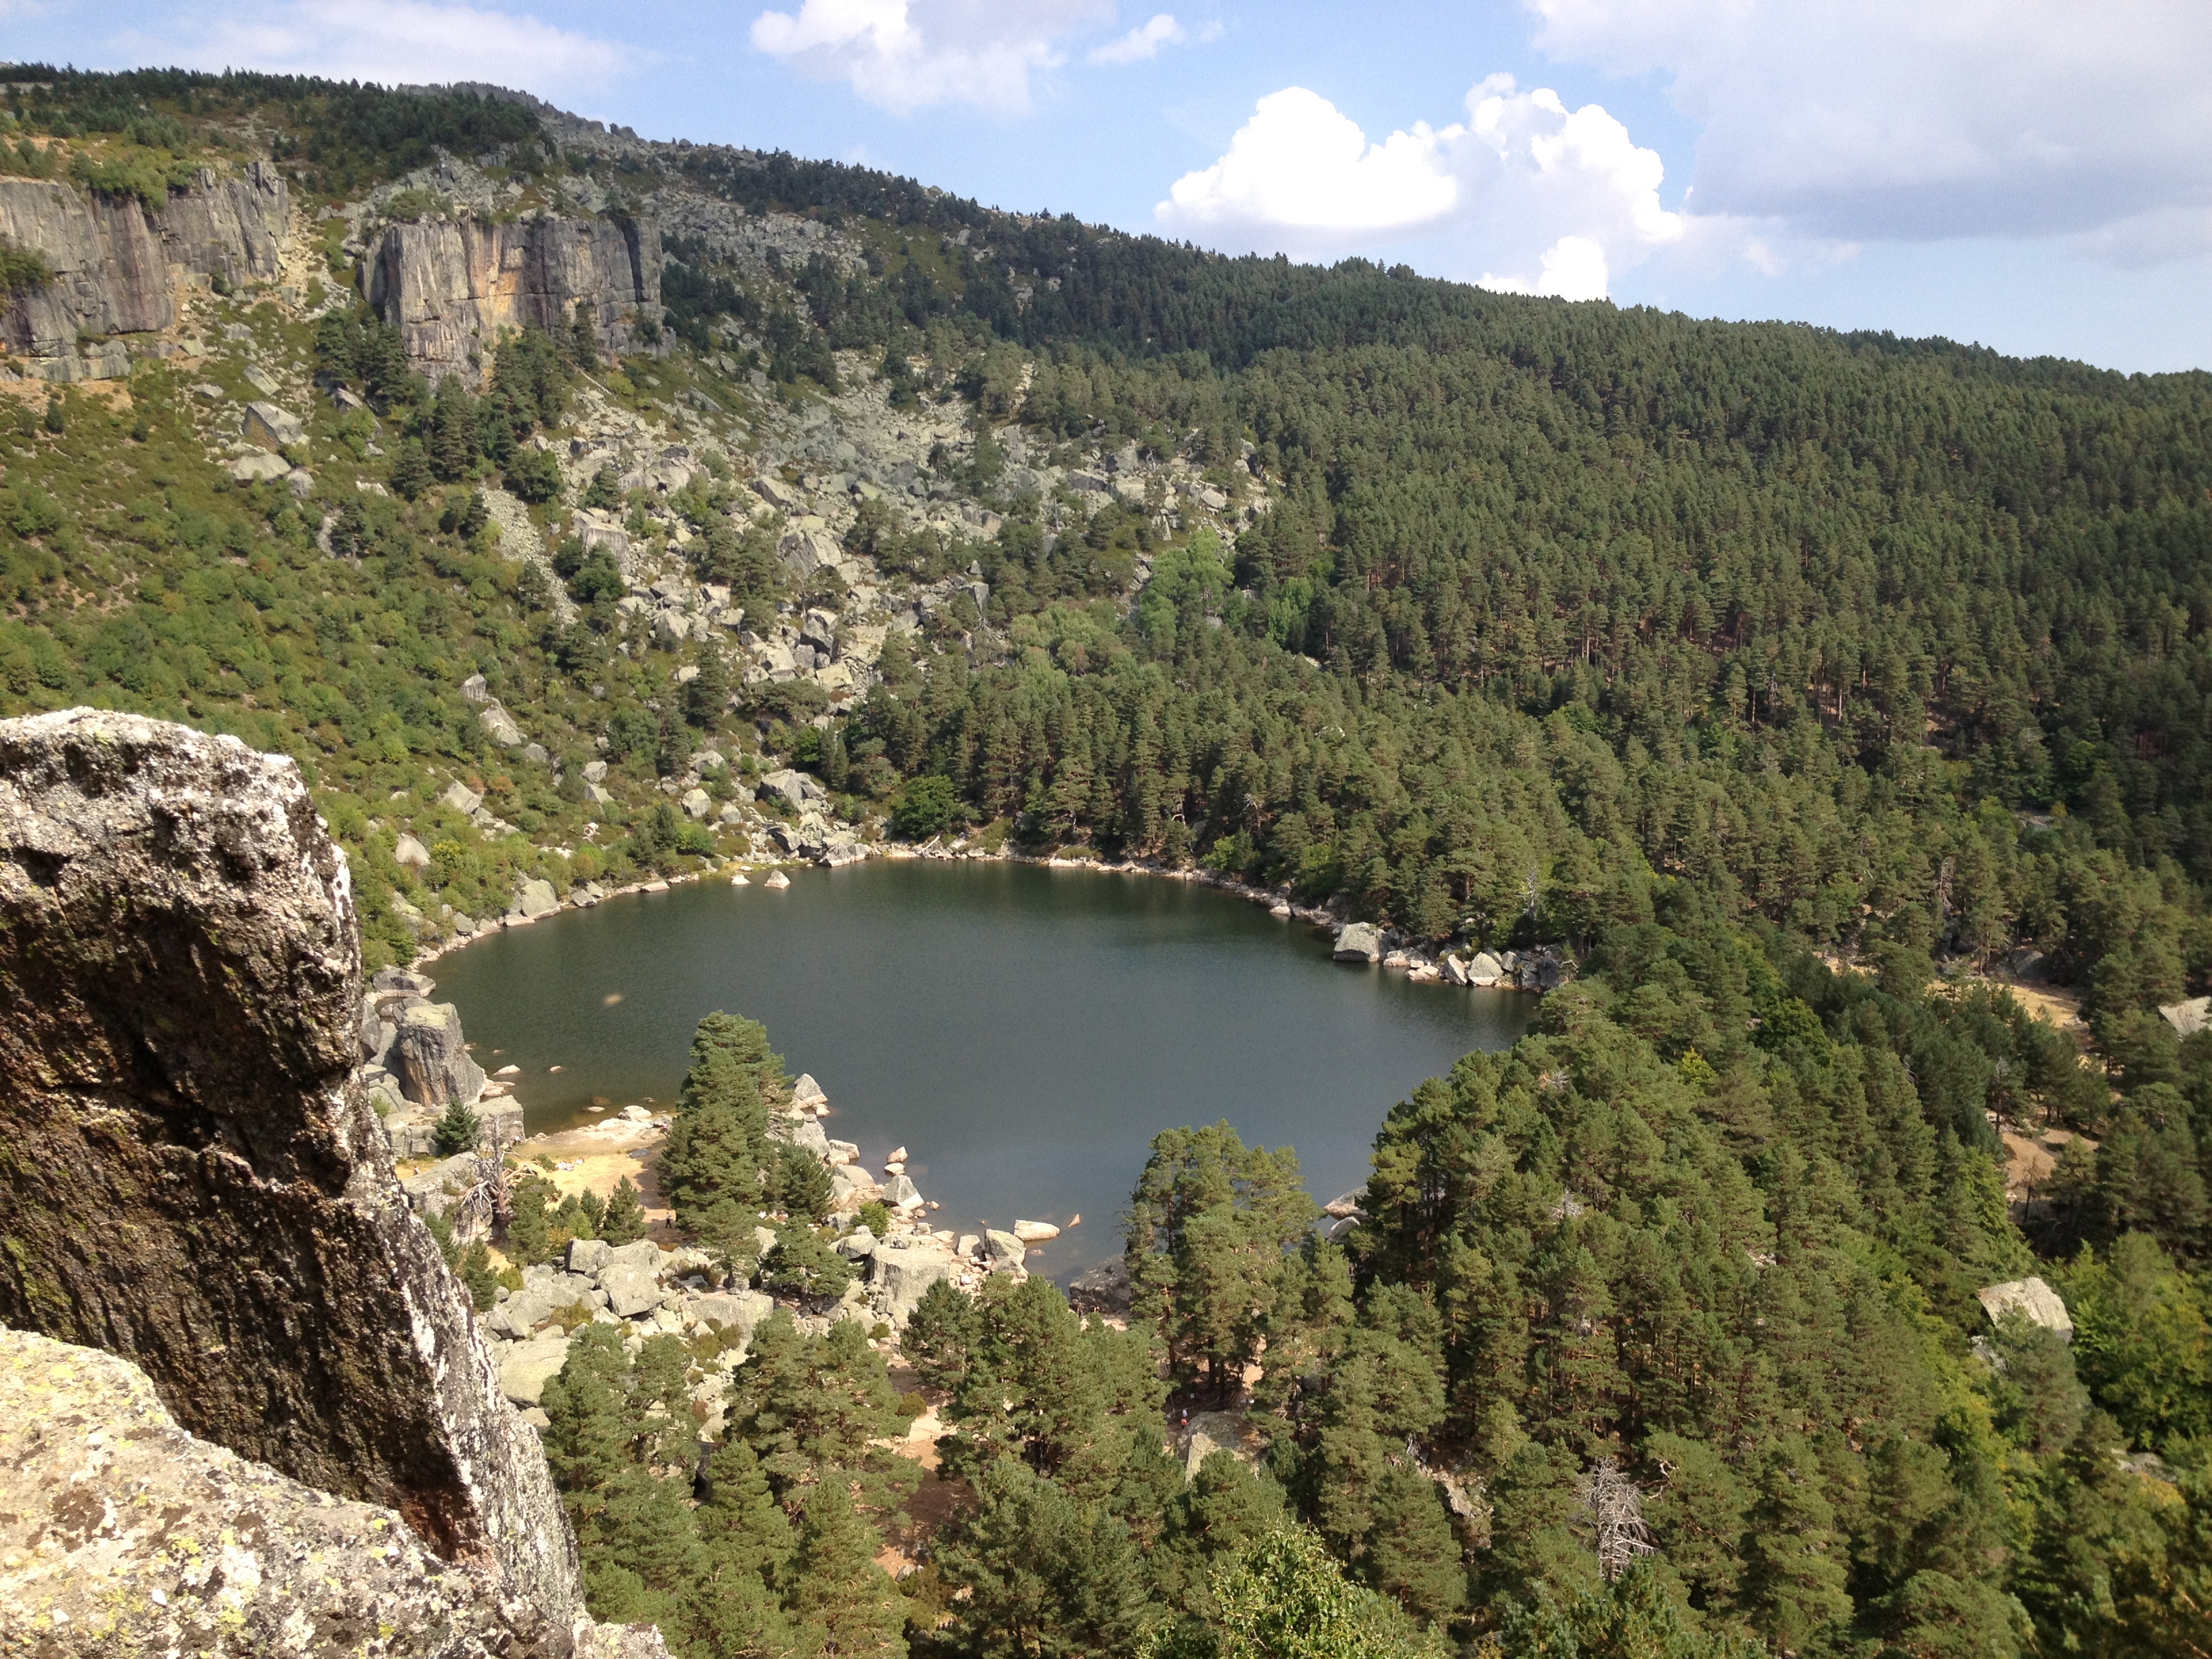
433 1064
196 1184
897 1279
1359 941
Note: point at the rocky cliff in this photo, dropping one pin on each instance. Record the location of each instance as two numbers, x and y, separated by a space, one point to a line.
192 1180
451 288
115 267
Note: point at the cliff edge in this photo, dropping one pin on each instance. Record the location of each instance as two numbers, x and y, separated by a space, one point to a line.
192 1182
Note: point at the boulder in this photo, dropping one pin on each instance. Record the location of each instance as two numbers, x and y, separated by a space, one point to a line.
1003 1250
271 427
851 1186
475 688
900 1278
1452 971
409 853
595 771
2032 1298
433 1064
2189 1017
1359 941
588 1255
741 1311
1035 1232
794 787
806 1094
1485 969
462 798
856 1244
639 1253
499 726
900 1194
537 898
528 1367
257 469
1101 1289
695 803
631 1291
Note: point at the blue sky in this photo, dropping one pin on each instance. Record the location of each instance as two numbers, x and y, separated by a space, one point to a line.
2033 175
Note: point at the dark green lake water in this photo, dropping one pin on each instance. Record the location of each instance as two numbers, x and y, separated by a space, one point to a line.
1023 1031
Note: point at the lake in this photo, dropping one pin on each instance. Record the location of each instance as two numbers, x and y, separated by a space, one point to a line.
1023 1031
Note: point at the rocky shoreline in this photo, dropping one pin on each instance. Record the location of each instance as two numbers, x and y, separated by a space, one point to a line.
1540 969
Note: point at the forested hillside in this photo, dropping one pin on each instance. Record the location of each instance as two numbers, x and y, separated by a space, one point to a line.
1815 691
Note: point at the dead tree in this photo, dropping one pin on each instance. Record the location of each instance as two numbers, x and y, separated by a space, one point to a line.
1615 1509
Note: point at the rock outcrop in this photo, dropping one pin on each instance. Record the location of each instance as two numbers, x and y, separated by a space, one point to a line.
195 1183
122 1534
115 265
450 289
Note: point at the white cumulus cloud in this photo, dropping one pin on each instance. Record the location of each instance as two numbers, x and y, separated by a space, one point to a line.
396 42
1526 194
1300 173
1900 119
906 55
1143 41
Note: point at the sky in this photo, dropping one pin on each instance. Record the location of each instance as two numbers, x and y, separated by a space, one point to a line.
2032 175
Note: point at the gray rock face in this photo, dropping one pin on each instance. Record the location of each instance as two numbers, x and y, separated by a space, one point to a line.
111 259
537 898
588 1255
1359 941
271 426
631 1290
432 1060
899 1279
738 1310
2031 1298
528 1367
451 288
180 960
499 726
112 1515
2190 1017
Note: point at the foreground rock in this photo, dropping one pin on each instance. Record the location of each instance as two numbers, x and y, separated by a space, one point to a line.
196 1184
121 1533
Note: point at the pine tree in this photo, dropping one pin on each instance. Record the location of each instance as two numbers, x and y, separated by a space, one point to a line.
624 1222
1793 1577
1045 1573
842 1602
457 1130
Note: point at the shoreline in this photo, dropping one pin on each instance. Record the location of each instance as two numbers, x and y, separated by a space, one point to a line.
1418 966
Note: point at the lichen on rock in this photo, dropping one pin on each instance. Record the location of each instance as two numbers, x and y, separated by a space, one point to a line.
194 1181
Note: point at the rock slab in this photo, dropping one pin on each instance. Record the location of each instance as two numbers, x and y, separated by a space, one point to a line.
122 1534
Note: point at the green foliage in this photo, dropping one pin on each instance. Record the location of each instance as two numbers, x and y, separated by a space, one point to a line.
456 1130
928 807
803 1267
24 271
624 1221
1283 1597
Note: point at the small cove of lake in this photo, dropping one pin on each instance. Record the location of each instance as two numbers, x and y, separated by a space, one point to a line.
1023 1031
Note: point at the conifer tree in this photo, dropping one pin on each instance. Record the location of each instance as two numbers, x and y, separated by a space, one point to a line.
624 1221
842 1602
